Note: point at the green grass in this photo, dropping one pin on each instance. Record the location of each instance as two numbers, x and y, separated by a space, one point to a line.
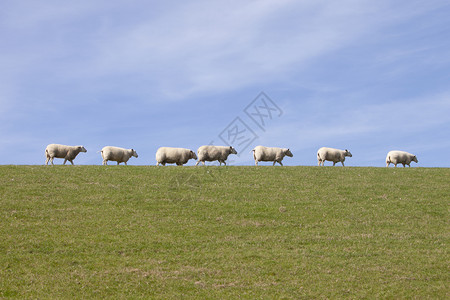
223 232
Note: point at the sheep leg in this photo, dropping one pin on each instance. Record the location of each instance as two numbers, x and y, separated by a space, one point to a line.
46 161
256 162
125 163
403 165
274 163
334 163
280 162
342 163
65 159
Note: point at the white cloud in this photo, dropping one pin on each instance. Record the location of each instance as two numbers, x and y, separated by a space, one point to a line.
189 48
218 47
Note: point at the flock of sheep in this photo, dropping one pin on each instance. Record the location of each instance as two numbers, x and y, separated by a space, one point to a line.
180 156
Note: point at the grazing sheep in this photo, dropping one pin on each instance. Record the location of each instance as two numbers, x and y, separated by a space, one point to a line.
275 154
169 155
331 154
117 154
212 153
62 151
400 157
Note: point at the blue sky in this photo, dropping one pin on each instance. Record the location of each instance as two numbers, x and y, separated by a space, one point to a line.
368 76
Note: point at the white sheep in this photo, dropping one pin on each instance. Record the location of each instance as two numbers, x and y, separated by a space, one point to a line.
212 153
275 154
169 155
400 157
117 154
331 154
62 151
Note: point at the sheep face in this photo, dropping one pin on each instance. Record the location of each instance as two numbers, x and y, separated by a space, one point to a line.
288 153
134 153
347 153
193 155
232 150
82 149
415 159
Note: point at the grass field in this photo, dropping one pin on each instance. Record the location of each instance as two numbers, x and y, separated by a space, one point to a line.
224 232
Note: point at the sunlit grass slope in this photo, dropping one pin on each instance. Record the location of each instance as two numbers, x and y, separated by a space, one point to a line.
223 232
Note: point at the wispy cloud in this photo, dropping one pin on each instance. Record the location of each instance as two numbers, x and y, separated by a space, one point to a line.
230 46
190 48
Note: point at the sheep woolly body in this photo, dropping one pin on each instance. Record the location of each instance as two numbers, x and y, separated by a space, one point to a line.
62 151
275 154
169 155
212 153
117 154
400 157
331 154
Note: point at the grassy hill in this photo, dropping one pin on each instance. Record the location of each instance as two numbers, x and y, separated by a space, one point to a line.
223 232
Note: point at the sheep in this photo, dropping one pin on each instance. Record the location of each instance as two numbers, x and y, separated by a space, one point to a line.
400 157
62 151
169 155
117 154
331 154
212 153
275 154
